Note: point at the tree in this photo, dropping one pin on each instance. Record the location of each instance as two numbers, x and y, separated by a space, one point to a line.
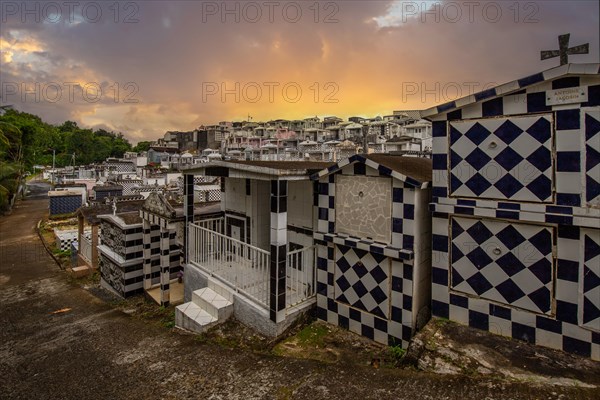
142 146
11 162
26 140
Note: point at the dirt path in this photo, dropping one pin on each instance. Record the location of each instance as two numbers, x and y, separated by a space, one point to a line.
94 351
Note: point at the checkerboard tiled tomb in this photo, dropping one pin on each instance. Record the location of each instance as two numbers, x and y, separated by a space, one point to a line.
373 245
65 238
516 209
64 204
127 248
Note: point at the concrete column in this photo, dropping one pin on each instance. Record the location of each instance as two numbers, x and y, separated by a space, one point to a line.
79 227
188 209
165 263
147 240
80 223
278 250
95 243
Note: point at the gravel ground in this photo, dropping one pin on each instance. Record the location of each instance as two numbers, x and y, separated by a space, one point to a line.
59 341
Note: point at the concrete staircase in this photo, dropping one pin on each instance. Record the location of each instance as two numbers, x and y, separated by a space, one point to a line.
80 271
209 306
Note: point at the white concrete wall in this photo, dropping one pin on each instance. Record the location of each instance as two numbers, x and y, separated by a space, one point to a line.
261 214
141 161
235 195
172 177
300 204
299 238
422 261
151 181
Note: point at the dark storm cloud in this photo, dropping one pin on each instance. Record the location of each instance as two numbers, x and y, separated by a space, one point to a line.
176 47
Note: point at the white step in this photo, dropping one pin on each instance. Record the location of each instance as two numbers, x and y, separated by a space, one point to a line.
191 317
220 289
213 303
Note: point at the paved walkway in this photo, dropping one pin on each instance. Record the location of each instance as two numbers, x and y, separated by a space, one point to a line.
93 351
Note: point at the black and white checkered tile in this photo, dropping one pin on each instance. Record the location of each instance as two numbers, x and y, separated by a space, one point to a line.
64 204
278 240
363 285
120 166
146 188
502 158
590 290
592 157
198 180
213 195
518 211
538 288
525 95
403 200
361 280
66 238
559 329
390 318
504 262
325 203
129 184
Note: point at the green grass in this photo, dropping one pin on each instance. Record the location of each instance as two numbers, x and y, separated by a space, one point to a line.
313 334
56 217
61 253
397 352
168 319
201 338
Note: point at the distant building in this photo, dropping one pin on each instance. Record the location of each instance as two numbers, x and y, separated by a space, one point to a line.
185 140
157 154
64 201
208 138
100 192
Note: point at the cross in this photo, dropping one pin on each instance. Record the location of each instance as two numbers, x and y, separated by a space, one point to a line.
564 51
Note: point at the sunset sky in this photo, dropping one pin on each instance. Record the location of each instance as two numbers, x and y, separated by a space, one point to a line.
163 65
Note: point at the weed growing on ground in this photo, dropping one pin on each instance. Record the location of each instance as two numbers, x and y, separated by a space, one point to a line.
397 352
61 253
168 321
201 338
313 335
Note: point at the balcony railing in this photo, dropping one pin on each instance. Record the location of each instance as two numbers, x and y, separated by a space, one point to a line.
213 224
85 249
239 265
301 276
246 268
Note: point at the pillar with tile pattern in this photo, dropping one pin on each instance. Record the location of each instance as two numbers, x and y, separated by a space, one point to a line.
165 264
278 250
147 236
188 206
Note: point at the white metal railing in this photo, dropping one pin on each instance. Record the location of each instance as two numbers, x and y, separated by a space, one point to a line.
301 276
243 267
85 249
212 224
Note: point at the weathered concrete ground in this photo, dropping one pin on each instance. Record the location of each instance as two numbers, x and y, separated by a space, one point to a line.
448 348
90 349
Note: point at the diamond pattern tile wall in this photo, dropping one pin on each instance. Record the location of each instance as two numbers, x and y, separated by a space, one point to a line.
507 263
361 280
592 157
502 158
591 279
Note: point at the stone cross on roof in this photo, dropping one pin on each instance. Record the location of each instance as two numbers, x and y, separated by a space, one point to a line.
564 51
